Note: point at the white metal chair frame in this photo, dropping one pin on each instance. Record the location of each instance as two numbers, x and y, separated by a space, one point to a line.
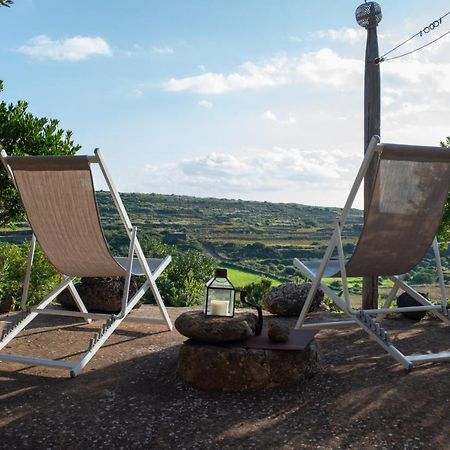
112 320
362 317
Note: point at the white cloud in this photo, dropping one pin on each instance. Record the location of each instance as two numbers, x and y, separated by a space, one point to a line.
205 104
75 48
344 34
416 88
133 51
329 68
162 50
255 173
324 66
416 94
252 76
269 115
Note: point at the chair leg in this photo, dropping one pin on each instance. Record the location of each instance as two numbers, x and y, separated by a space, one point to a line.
389 300
26 281
44 303
153 287
437 257
160 303
77 299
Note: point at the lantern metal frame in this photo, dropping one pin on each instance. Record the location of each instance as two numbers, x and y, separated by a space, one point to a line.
209 288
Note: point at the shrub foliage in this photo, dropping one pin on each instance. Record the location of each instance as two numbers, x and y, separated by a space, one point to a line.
183 281
13 263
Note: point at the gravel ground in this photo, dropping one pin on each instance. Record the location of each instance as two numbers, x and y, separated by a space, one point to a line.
129 396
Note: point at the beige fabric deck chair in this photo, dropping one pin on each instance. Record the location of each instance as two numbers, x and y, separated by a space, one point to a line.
59 198
409 194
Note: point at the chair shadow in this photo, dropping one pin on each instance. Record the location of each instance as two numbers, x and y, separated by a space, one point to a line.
361 396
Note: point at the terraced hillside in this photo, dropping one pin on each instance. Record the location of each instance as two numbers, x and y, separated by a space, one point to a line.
259 237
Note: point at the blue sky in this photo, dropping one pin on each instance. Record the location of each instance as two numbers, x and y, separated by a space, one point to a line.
251 99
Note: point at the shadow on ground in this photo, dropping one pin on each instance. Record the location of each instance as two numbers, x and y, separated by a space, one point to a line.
129 397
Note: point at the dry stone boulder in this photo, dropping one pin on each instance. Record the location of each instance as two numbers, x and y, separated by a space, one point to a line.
288 299
278 332
405 300
236 368
6 306
215 329
102 295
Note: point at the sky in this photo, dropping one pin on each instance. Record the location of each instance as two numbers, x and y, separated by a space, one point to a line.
250 99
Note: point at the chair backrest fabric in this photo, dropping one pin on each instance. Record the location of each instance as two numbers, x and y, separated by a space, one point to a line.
408 198
59 198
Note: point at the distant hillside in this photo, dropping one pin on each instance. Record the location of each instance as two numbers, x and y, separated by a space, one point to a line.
260 237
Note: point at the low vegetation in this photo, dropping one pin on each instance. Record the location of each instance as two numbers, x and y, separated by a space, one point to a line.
13 263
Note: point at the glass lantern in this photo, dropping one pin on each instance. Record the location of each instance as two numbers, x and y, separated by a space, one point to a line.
219 295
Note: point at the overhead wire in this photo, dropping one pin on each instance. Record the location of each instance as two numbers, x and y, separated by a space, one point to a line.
415 50
425 30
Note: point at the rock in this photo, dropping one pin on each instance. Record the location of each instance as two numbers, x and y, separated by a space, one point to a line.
6 306
102 295
404 300
278 332
235 368
215 329
288 299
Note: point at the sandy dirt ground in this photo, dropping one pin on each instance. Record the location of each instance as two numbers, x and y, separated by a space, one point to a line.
130 397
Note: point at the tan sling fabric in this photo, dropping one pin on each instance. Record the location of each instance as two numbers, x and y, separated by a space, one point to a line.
408 199
59 198
409 195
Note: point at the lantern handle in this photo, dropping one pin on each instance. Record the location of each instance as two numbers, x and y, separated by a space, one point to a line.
259 324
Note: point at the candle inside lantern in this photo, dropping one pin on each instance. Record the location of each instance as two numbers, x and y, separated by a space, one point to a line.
219 308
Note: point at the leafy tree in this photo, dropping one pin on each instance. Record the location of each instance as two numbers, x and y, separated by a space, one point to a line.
21 133
444 231
6 3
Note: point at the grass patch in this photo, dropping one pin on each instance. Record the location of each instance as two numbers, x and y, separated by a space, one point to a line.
240 278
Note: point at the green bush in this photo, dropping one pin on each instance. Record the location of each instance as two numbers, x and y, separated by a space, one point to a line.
423 277
336 285
257 290
183 281
332 307
13 263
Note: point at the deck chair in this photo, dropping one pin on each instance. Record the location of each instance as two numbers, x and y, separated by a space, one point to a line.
409 192
58 195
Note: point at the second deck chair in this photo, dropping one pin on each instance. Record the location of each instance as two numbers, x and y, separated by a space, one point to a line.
59 198
408 197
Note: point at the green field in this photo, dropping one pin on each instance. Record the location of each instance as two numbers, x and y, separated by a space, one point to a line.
240 278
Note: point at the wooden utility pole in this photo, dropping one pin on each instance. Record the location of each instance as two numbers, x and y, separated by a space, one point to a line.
368 15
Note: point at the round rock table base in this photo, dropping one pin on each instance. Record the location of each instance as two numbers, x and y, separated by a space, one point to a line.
236 368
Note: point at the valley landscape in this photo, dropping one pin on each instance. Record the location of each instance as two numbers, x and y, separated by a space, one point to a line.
252 239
